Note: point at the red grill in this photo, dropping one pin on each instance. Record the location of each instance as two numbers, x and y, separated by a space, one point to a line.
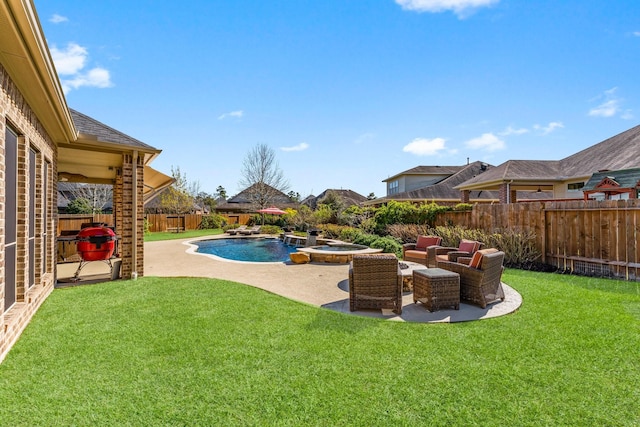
95 244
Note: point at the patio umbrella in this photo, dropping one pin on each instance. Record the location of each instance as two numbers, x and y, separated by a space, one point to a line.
272 210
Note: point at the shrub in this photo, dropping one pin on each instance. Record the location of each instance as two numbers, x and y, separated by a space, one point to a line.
212 221
463 207
408 233
270 229
388 245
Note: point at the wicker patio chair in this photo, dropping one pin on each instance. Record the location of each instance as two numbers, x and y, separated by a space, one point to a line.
437 254
375 281
480 279
417 252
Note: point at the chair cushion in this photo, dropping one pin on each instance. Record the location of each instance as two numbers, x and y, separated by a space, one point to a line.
425 241
476 261
412 253
468 246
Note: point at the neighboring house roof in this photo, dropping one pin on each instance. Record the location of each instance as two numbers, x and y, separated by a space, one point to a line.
427 170
620 179
445 190
243 201
349 197
617 152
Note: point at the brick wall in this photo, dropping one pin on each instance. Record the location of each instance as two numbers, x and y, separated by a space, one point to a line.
16 113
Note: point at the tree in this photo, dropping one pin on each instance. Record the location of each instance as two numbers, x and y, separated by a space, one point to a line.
80 206
220 193
96 196
206 200
262 177
180 197
293 195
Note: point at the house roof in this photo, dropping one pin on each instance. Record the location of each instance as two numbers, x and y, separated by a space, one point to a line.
243 200
617 152
427 170
628 178
349 197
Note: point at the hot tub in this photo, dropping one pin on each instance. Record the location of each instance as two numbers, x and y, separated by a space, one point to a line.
337 253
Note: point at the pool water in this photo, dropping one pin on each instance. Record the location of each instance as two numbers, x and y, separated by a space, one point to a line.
254 250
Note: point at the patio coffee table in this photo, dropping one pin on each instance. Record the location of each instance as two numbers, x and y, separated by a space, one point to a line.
436 288
407 274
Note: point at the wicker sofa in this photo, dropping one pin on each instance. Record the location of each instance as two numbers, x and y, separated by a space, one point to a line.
479 276
375 281
417 252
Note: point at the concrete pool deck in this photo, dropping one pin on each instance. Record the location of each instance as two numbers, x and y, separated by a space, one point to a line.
323 285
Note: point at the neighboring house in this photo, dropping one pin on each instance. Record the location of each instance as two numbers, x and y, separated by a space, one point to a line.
613 185
154 206
437 184
43 141
243 202
349 198
564 179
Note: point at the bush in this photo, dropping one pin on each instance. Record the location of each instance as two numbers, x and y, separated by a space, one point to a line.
270 229
388 245
406 213
209 222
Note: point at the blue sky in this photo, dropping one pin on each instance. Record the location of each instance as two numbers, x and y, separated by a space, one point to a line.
349 92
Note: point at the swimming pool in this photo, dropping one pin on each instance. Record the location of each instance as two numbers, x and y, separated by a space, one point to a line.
250 249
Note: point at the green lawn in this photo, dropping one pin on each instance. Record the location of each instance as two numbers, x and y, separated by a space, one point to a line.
167 235
210 352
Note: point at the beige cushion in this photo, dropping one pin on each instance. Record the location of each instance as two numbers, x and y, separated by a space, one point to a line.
412 253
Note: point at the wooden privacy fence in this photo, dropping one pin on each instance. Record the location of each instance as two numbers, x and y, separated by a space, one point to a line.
157 222
598 238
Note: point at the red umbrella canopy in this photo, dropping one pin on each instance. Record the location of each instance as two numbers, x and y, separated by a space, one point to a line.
272 211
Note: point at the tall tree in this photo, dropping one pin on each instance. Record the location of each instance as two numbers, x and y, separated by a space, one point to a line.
220 192
180 197
262 177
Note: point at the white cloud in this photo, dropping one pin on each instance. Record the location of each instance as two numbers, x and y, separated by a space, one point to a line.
609 105
424 146
57 19
96 77
487 141
545 130
71 62
513 131
233 114
300 147
636 33
627 115
461 8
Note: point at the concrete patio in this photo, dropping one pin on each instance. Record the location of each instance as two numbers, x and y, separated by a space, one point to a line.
323 285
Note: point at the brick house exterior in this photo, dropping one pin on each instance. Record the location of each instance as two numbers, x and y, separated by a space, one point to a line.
43 141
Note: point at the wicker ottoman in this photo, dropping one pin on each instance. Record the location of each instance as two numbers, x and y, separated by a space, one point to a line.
436 288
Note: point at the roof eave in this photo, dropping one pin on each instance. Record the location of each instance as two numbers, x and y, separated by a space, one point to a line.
28 61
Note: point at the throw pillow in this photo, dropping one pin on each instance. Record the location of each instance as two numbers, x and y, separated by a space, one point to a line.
468 246
425 241
476 260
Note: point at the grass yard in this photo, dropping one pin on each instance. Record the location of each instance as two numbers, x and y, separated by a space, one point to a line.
189 234
185 351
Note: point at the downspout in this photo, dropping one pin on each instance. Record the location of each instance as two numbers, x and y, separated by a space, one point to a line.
134 231
509 191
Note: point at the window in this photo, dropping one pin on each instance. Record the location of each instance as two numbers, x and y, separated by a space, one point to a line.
10 216
575 186
394 187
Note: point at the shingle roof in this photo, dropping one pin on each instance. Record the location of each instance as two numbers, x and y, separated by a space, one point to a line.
428 170
627 178
618 152
350 198
91 126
